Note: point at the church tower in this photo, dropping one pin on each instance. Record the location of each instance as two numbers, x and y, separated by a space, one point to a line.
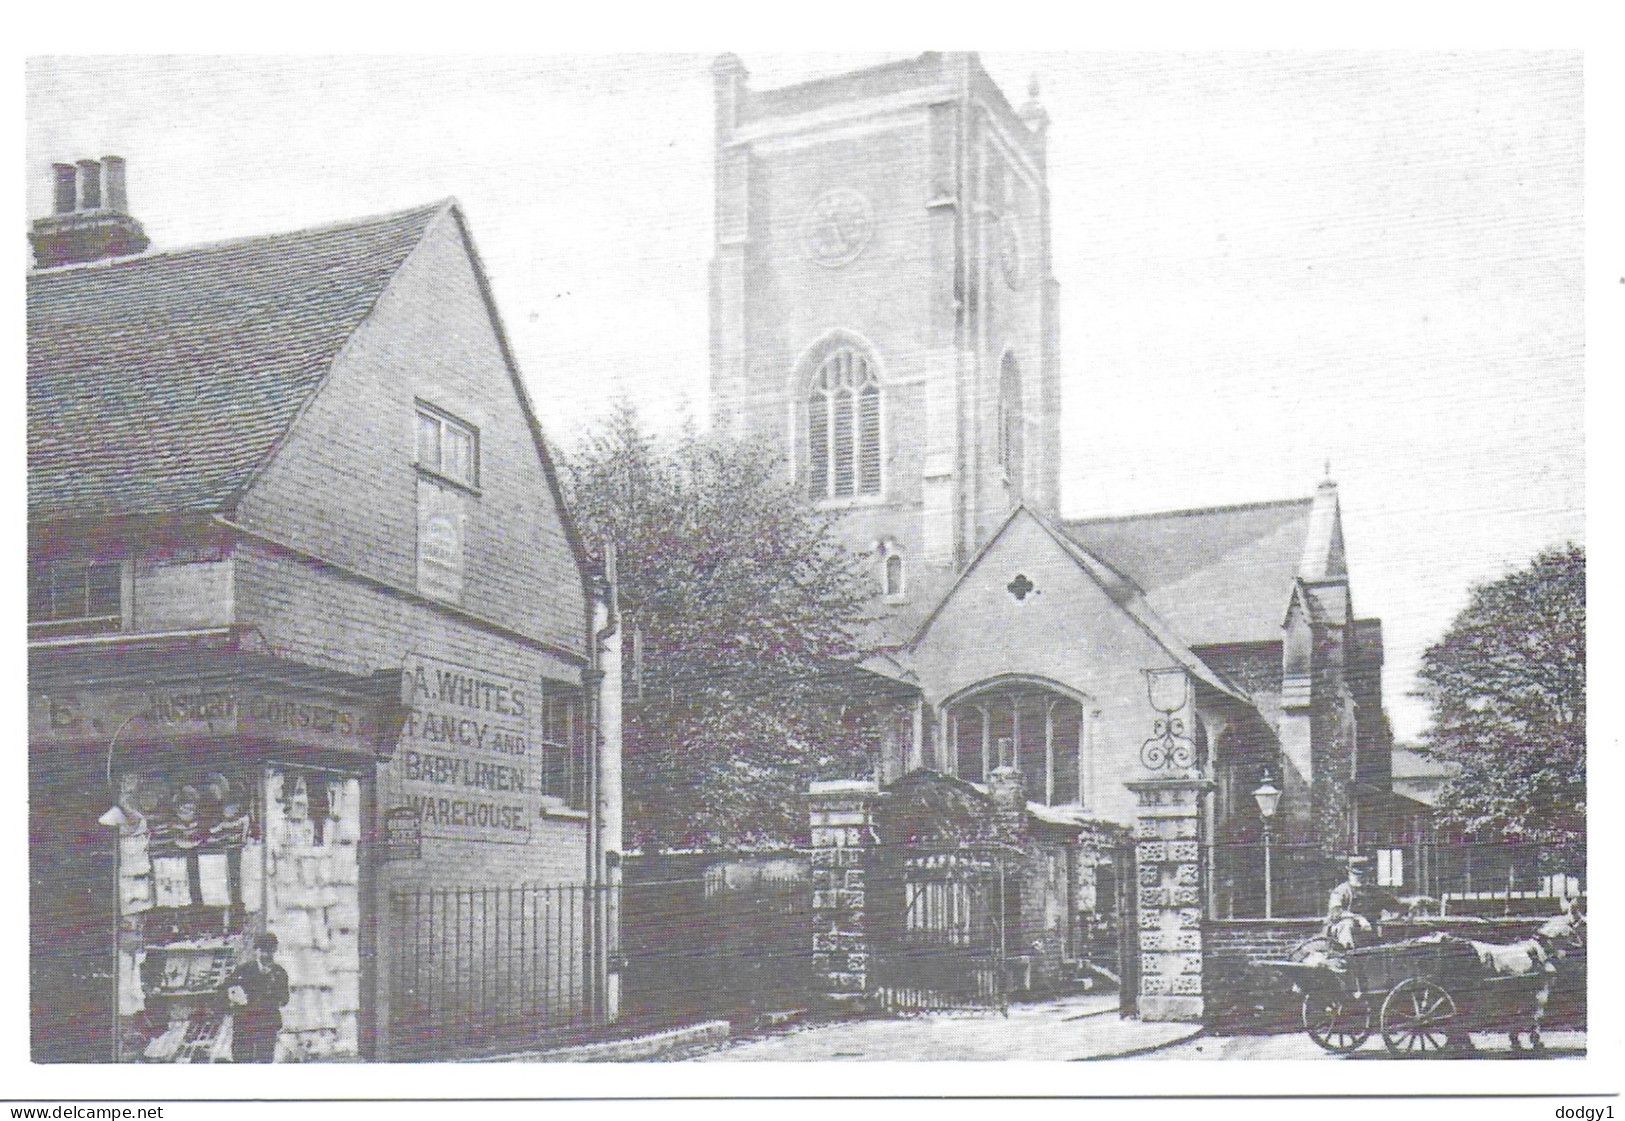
882 305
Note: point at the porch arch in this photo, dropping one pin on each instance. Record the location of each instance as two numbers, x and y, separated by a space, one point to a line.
1041 727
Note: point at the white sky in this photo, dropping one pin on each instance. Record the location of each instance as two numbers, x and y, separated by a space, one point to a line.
1266 261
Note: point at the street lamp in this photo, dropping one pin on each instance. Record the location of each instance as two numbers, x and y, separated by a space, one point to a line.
1268 796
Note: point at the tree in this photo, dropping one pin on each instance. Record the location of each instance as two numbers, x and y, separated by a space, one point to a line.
1507 687
742 605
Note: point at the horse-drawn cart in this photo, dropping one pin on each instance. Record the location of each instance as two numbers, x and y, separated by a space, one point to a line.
1423 995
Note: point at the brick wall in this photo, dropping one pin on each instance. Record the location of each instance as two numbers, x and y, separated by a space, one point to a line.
322 618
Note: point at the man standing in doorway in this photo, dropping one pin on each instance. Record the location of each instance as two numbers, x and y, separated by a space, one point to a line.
257 990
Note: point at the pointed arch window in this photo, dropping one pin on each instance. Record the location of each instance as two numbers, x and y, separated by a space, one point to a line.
843 426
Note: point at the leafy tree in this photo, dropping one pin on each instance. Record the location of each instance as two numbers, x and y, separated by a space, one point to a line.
743 606
1507 687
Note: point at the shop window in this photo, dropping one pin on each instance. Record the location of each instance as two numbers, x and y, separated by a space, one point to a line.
207 860
564 756
76 597
448 447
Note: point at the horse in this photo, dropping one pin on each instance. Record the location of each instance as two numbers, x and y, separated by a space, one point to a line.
1537 958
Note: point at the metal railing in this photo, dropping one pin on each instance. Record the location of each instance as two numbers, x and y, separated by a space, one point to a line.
714 935
1486 878
477 969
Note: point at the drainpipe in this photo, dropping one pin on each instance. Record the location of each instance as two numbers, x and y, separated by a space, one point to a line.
608 769
603 654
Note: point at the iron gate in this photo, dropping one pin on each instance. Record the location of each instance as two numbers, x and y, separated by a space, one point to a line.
938 927
1127 883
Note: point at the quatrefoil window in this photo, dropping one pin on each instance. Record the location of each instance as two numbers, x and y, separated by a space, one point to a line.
1020 587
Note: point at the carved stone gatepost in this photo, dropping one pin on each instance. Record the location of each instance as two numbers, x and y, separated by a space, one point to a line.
1168 860
843 844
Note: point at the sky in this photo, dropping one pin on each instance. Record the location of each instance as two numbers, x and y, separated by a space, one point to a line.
1268 261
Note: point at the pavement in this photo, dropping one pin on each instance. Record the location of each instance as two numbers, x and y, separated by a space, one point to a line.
1076 1027
1083 1027
1298 1046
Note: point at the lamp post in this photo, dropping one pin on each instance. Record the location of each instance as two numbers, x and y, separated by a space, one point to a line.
1268 796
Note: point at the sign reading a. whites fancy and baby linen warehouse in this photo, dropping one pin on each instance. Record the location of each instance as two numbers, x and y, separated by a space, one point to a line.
466 751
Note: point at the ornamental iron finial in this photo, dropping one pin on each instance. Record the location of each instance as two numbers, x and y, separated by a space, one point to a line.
1168 748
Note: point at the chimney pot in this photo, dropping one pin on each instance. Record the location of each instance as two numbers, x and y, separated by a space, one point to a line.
113 183
90 185
90 219
65 185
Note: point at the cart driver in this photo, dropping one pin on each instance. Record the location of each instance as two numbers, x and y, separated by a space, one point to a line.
1343 908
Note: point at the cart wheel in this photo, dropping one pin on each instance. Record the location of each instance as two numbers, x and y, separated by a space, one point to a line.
1417 1018
1319 944
1337 1021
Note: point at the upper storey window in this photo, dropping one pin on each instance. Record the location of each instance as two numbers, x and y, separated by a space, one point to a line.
76 597
448 447
843 426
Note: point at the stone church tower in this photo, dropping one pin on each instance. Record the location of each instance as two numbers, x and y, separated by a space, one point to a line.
882 305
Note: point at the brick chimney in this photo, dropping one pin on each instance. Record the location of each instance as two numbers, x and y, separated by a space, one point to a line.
91 219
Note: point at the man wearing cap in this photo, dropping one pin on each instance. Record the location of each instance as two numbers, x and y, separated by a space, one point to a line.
1349 900
256 991
1341 917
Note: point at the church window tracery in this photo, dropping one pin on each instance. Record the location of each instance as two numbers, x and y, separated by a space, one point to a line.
843 426
1030 725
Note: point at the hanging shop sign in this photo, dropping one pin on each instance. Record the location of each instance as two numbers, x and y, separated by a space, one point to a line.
403 834
465 760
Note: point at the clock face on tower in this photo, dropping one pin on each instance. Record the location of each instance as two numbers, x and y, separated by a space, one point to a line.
1011 251
838 226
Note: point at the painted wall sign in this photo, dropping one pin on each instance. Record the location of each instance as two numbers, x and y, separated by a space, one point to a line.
465 759
187 713
440 542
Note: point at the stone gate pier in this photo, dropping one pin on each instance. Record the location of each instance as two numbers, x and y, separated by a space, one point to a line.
1168 868
843 843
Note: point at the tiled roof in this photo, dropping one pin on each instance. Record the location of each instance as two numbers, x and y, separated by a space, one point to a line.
1217 575
160 383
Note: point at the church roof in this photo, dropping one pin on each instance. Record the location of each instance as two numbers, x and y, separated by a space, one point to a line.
1121 590
1217 575
161 383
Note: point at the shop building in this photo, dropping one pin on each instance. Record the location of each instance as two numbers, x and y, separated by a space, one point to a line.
312 640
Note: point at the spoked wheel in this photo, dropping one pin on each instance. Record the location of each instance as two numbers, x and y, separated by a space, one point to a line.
1337 1021
1418 1018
